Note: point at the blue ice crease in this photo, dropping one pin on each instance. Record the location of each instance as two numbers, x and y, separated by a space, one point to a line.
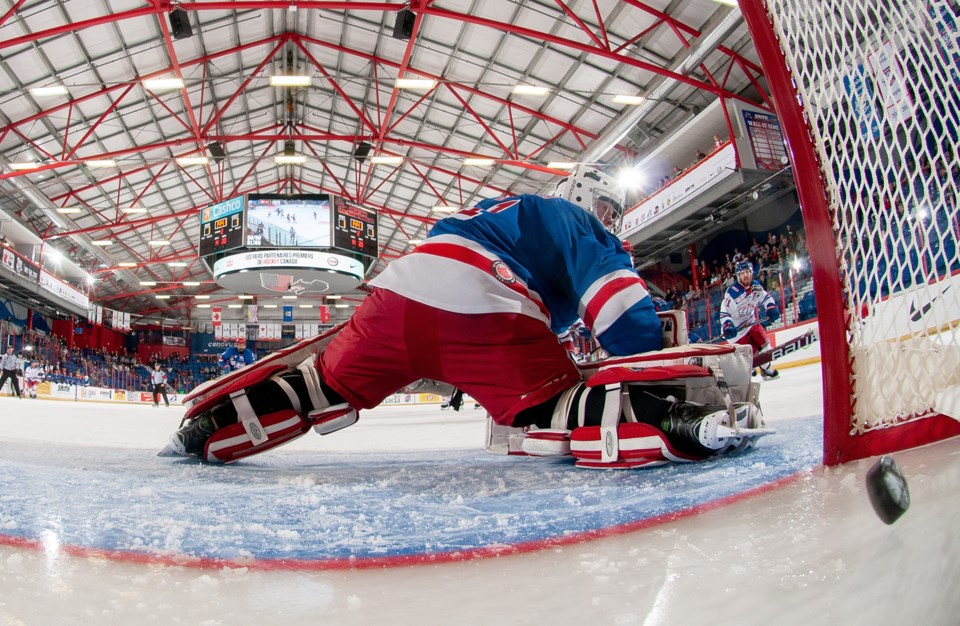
330 506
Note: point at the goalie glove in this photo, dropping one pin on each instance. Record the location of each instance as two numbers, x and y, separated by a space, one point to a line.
773 313
729 330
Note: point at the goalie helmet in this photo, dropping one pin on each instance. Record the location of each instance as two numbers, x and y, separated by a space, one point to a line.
595 192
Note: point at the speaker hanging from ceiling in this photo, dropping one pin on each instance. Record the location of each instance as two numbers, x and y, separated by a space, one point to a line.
180 24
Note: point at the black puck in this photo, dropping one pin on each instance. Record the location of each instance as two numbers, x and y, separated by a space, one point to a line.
887 489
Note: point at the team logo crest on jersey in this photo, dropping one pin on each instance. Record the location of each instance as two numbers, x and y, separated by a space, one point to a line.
503 273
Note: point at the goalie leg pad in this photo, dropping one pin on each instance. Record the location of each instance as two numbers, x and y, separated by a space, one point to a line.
639 445
234 442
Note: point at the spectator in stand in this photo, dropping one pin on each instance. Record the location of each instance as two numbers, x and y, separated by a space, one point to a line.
699 156
717 142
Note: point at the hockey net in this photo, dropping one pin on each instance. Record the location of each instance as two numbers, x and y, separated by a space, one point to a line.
867 93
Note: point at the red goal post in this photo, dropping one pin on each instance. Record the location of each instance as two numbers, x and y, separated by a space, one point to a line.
866 93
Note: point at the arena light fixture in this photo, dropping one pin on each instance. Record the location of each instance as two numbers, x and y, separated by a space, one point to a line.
202 297
234 306
445 208
387 160
102 242
68 210
195 160
530 90
44 92
291 81
163 84
176 264
288 159
244 297
479 162
133 209
306 306
631 100
269 306
561 165
190 283
24 165
100 163
415 83
203 306
341 306
729 3
163 296
289 297
126 264
147 283
156 243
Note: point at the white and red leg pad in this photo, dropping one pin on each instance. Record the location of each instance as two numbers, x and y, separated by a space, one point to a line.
333 418
236 441
213 392
635 445
546 442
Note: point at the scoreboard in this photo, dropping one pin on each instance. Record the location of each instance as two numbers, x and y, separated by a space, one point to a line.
222 226
354 228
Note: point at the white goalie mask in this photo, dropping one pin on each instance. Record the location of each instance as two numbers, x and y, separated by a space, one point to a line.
595 192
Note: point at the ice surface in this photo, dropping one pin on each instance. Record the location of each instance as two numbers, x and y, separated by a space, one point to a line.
79 485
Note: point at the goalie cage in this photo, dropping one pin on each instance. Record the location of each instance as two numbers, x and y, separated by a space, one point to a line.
881 216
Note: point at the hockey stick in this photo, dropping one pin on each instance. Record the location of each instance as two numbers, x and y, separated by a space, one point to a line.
787 347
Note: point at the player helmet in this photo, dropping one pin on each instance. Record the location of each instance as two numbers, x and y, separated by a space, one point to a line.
595 192
744 266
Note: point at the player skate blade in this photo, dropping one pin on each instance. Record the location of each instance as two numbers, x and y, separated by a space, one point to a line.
173 449
887 490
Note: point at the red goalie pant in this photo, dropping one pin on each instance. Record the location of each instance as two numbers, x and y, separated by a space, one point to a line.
506 362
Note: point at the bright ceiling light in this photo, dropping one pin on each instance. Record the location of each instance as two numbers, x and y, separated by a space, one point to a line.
68 210
269 306
234 306
479 162
126 264
387 160
291 81
43 92
415 83
561 165
306 306
286 159
190 283
729 3
244 297
159 242
24 165
163 296
148 283
100 163
633 100
102 242
340 306
289 297
445 208
414 242
203 306
202 297
197 160
530 90
333 297
163 84
176 264
133 209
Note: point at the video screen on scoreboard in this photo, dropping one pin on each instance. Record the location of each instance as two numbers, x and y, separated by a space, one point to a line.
221 226
284 221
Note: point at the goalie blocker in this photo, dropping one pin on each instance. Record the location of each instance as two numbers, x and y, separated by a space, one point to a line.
223 423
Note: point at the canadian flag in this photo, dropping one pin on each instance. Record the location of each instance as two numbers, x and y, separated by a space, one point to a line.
215 311
324 314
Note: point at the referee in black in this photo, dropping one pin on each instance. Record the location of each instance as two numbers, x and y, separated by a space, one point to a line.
159 379
10 364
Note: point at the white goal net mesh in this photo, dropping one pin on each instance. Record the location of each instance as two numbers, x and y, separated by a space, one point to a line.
879 83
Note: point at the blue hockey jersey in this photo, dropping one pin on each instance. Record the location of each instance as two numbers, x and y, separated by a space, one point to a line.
541 257
233 359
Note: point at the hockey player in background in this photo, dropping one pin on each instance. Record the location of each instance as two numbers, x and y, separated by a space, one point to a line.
739 320
32 377
479 305
235 357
